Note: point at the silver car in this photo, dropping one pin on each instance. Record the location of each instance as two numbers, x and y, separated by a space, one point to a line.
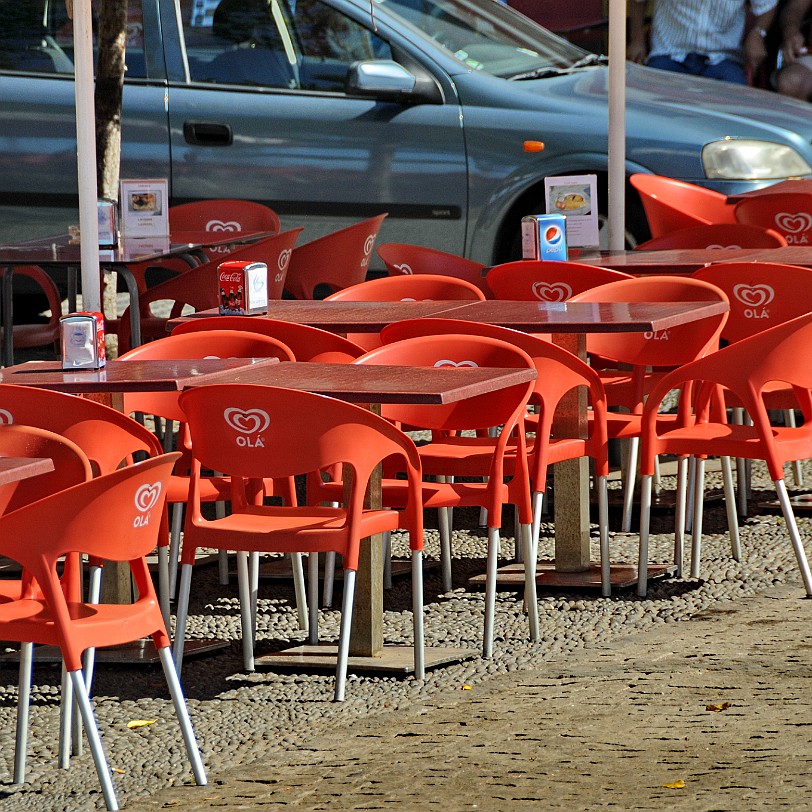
331 111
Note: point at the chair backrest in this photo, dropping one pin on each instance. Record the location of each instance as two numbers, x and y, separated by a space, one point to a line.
716 235
402 258
408 288
503 407
198 287
761 294
71 466
334 261
671 347
38 335
305 342
672 204
115 517
788 214
106 436
212 343
531 280
223 216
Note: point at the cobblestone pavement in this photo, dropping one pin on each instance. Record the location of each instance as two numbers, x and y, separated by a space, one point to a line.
714 713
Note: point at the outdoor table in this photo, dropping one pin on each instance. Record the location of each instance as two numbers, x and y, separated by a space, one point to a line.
569 323
791 186
684 261
14 469
374 384
63 250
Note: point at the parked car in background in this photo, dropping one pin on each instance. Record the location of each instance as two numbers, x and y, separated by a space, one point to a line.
330 111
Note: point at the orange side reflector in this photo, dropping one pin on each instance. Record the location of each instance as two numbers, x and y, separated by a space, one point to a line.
533 146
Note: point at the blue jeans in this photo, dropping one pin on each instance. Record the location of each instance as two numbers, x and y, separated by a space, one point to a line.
697 65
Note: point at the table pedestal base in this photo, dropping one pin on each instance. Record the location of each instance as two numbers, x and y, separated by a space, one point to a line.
392 660
547 577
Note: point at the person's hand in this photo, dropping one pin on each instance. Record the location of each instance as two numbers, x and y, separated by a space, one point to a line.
792 47
636 51
755 51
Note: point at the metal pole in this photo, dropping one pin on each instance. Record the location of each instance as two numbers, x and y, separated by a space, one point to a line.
617 124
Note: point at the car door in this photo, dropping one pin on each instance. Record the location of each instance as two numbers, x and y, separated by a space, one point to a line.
39 189
262 114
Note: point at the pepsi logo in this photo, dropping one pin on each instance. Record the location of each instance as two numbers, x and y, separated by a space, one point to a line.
553 235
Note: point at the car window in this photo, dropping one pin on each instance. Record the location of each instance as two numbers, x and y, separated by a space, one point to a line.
297 44
36 36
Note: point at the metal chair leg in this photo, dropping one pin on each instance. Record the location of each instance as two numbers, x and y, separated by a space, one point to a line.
344 635
23 704
417 615
490 592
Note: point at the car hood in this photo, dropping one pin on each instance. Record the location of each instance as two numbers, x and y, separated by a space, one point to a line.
664 111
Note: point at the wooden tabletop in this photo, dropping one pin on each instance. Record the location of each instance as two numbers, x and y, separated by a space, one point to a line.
13 469
372 383
556 317
688 260
124 376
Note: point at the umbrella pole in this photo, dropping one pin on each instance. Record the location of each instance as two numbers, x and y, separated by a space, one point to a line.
617 124
86 154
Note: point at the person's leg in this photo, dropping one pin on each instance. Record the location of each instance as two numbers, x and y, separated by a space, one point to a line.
662 62
727 70
795 80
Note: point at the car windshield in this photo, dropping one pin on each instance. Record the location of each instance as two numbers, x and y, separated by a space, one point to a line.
489 37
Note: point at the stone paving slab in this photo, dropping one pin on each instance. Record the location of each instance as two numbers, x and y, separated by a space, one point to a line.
721 703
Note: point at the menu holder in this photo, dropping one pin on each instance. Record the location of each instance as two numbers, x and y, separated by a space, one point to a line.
144 208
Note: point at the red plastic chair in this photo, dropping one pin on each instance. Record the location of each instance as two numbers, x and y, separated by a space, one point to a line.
305 342
216 216
254 432
672 204
641 351
402 258
788 214
198 287
559 371
38 334
404 288
115 517
745 368
530 280
502 460
334 261
761 294
716 235
220 343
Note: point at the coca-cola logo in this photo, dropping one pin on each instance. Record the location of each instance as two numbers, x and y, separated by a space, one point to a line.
284 259
6 418
236 276
552 291
445 362
754 295
146 497
223 225
247 421
404 267
793 223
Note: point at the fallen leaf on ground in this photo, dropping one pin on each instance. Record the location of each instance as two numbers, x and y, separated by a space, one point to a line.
136 723
717 708
675 784
466 688
118 770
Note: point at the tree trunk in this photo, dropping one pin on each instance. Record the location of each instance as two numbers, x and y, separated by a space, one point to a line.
109 83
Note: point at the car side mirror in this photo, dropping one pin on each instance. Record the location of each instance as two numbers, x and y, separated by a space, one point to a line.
381 79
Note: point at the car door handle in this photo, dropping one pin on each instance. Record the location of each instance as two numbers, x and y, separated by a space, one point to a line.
207 134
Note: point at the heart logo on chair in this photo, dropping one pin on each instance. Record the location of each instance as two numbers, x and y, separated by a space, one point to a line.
6 417
552 291
445 362
723 247
793 223
369 242
146 497
284 259
247 421
223 225
754 295
404 268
